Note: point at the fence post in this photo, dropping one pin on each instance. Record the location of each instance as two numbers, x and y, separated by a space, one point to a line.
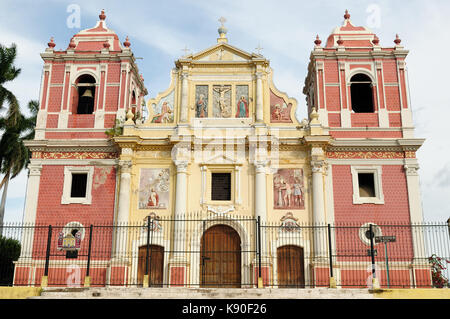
145 283
150 259
330 253
44 280
260 280
87 279
375 282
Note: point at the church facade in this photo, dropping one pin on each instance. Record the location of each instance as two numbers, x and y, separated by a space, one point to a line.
222 143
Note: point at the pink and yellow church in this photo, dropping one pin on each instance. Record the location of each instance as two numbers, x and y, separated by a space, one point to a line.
219 148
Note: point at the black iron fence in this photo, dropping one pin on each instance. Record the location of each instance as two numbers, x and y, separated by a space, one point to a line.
227 251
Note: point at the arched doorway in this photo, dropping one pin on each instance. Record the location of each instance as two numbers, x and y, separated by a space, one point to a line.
155 265
290 264
220 259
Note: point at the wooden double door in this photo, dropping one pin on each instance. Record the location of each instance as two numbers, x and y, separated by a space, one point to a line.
220 258
290 267
155 265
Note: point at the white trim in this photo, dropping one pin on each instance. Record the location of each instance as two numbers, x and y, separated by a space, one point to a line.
377 171
68 171
355 71
74 225
364 228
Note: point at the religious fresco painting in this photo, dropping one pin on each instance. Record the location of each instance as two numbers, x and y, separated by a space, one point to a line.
154 186
222 101
201 101
242 103
288 189
163 111
280 112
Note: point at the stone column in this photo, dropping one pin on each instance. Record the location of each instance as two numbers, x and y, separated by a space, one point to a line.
260 190
119 263
180 208
261 212
259 98
415 209
184 98
123 210
318 201
32 193
178 262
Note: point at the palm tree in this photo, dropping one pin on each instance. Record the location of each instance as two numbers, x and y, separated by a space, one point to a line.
14 155
8 72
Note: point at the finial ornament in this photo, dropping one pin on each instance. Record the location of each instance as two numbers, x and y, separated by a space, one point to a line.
375 40
102 15
314 116
397 40
51 44
346 15
129 116
317 41
72 44
127 42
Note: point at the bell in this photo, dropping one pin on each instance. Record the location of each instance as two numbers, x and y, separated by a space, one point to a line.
87 93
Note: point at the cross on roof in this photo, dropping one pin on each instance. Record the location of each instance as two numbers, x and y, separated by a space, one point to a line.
258 48
186 50
222 20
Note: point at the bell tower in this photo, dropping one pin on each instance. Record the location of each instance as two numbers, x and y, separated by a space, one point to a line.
86 87
358 87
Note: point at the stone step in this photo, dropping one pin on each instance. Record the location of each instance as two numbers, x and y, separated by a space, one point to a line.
204 293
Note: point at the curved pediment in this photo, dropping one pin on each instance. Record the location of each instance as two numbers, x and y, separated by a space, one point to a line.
282 108
162 108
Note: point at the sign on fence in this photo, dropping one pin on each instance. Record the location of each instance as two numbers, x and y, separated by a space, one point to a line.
385 239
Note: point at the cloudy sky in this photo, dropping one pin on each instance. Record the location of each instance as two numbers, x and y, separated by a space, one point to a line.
285 29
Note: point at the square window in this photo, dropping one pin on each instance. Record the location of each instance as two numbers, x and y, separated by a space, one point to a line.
79 184
366 184
221 186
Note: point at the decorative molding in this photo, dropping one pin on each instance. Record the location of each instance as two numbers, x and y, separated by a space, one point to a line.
181 166
125 166
317 166
74 155
34 170
411 170
367 154
220 210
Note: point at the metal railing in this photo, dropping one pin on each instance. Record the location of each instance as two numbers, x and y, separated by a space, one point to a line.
223 251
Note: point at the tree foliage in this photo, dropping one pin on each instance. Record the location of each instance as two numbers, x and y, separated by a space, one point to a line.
9 252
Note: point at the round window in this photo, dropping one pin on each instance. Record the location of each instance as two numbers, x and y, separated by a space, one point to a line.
365 234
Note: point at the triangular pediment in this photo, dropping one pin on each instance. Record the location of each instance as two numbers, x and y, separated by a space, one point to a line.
223 52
